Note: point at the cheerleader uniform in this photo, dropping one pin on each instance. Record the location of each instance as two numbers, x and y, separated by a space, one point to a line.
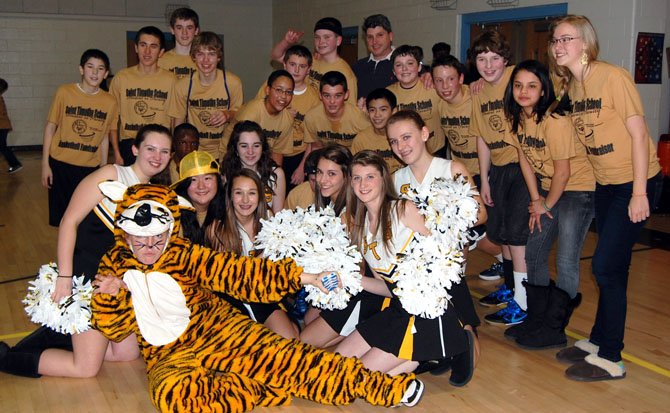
396 331
95 233
404 180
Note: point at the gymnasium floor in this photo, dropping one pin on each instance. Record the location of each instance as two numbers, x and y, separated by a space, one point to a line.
507 379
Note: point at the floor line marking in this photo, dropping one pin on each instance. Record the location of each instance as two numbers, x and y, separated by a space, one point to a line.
628 357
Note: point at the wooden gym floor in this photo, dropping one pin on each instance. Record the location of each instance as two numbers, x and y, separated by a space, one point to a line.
507 379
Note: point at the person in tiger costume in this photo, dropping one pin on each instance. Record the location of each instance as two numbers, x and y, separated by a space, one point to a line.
201 353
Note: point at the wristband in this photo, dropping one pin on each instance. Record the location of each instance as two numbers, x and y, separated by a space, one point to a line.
544 204
64 276
633 195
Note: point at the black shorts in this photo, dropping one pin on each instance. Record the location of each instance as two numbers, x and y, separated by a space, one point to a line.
66 177
259 312
359 308
508 218
289 165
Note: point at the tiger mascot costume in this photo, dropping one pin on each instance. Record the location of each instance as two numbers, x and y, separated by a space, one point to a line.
201 353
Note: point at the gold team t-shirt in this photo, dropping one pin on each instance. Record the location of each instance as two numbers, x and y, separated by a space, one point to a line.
318 128
202 102
277 128
553 139
301 196
83 122
142 98
488 121
425 102
180 65
601 104
455 123
369 139
320 67
301 103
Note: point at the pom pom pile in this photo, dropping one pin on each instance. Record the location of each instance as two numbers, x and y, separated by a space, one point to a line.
317 241
72 315
430 265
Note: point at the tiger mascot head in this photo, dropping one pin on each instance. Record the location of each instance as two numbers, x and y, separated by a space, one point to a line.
144 209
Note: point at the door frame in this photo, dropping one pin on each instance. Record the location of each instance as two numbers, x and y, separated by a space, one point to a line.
513 14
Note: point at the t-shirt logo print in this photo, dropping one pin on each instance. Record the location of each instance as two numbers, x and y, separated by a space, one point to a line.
204 117
79 127
141 108
496 123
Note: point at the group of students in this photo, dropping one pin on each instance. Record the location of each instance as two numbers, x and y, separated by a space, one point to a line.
548 150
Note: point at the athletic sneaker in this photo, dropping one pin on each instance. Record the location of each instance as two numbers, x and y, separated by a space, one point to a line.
14 169
412 394
475 234
497 298
509 316
493 273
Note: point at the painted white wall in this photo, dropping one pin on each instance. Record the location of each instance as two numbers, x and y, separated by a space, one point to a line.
415 22
41 43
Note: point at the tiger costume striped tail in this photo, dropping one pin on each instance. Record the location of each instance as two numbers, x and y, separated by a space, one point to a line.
222 361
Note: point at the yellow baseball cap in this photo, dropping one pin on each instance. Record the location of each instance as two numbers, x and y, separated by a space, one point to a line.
196 163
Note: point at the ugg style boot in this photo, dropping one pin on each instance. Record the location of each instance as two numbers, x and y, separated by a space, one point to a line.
538 299
556 318
19 363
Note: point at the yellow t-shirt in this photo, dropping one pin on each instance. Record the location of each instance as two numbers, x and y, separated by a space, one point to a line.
425 102
319 128
301 196
277 128
555 138
142 99
488 121
369 139
320 67
301 103
180 65
455 122
83 122
203 101
601 104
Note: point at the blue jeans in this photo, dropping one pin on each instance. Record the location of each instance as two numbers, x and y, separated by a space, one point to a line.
611 261
573 214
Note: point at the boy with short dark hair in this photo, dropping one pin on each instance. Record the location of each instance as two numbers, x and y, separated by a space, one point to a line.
455 111
412 94
503 188
303 195
76 137
184 25
210 97
327 38
142 93
335 121
381 104
185 140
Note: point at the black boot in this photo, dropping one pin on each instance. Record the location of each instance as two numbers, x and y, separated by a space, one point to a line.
44 338
538 299
556 318
19 363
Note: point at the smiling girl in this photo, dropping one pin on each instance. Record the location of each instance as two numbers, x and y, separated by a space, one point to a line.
84 235
561 207
249 148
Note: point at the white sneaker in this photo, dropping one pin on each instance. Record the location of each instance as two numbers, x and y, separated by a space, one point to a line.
412 394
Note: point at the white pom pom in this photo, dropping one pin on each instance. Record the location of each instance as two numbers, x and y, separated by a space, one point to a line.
72 315
431 264
317 241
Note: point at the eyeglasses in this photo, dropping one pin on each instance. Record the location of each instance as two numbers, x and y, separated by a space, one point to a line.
280 91
562 40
